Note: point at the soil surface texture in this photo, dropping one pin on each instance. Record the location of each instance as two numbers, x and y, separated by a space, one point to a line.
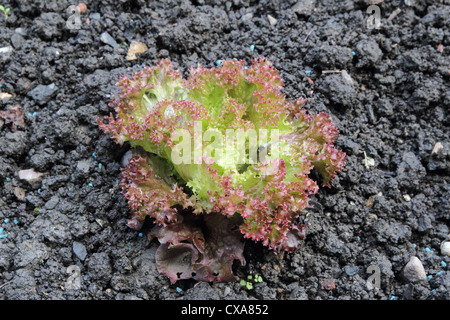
380 232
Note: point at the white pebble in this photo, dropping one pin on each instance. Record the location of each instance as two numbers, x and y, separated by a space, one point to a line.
437 147
414 270
29 175
7 49
272 20
445 248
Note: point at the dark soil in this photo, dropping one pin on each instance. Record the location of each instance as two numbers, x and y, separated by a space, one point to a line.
387 90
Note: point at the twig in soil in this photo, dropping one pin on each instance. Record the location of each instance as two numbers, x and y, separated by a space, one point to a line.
394 14
4 284
330 71
309 33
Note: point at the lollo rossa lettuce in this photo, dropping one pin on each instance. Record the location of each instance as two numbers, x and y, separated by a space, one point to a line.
224 154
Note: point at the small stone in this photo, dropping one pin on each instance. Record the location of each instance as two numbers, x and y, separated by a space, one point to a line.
4 96
19 193
7 49
43 93
52 203
5 53
82 7
414 270
272 20
445 248
106 38
17 41
247 17
21 31
347 78
79 250
437 147
31 176
84 166
304 7
136 47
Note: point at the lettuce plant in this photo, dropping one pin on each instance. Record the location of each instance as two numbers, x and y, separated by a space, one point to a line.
219 156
